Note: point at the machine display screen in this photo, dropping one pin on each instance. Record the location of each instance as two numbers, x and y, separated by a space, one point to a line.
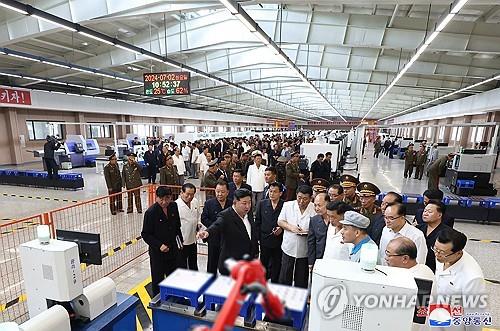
167 83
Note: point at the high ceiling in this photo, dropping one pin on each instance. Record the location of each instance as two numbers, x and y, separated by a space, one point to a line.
350 53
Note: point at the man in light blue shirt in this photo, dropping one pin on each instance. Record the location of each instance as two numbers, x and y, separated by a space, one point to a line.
354 232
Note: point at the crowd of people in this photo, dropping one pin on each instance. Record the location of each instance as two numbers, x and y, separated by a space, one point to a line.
265 206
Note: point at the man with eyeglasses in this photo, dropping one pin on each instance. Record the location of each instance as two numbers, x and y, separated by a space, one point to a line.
401 252
396 226
354 232
349 184
336 192
335 248
378 222
458 275
294 220
432 226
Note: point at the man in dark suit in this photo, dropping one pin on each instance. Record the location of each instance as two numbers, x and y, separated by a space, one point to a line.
237 183
270 234
271 176
151 161
318 226
377 223
237 229
433 195
211 210
161 230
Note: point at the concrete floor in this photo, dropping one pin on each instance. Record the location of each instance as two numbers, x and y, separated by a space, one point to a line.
387 174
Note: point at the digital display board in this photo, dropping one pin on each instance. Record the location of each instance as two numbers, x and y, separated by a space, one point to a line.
167 83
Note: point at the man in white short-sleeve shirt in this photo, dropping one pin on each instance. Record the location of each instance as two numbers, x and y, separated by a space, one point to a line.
189 213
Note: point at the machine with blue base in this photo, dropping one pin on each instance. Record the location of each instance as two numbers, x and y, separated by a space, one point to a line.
57 299
193 300
82 152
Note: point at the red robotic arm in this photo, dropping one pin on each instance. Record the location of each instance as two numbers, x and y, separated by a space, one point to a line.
250 276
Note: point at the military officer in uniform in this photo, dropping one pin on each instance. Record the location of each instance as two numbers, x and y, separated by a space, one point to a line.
367 195
292 176
169 174
435 170
113 179
319 185
410 157
131 179
210 179
420 158
349 183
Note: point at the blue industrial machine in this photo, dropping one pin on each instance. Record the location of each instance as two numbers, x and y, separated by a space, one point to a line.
82 152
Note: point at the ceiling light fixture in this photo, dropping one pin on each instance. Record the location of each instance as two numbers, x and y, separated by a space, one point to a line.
253 27
439 27
92 36
497 77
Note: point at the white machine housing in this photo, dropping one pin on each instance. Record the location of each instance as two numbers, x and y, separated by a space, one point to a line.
54 318
474 162
342 281
311 151
50 272
96 298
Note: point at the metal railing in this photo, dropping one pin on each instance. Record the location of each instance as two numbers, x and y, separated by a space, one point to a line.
121 241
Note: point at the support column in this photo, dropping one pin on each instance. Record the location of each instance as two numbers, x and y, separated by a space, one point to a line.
80 128
464 139
16 150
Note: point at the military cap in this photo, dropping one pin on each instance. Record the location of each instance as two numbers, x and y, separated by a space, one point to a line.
319 184
355 219
256 152
295 154
283 159
367 189
212 163
348 181
132 155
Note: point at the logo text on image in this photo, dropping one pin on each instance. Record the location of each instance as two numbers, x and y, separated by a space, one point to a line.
331 300
439 315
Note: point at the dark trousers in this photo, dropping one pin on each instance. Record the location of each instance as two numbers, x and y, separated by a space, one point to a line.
213 258
271 260
152 174
291 193
188 167
294 271
419 171
189 257
408 170
52 168
376 153
160 268
115 201
134 195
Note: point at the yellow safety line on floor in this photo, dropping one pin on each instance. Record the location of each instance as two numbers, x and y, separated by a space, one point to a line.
38 197
142 293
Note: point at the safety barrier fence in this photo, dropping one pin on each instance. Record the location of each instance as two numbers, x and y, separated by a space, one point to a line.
120 235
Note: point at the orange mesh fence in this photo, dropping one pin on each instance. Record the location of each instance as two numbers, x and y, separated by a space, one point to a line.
12 298
120 235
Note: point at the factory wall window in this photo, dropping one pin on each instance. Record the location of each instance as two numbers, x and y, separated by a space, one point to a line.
99 131
143 130
459 134
480 134
429 132
420 132
441 133
221 129
39 130
472 137
190 129
168 129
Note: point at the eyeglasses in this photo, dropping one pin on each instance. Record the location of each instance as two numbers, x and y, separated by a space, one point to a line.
391 218
440 252
388 254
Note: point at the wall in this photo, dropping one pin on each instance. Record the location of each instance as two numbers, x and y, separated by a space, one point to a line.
12 153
